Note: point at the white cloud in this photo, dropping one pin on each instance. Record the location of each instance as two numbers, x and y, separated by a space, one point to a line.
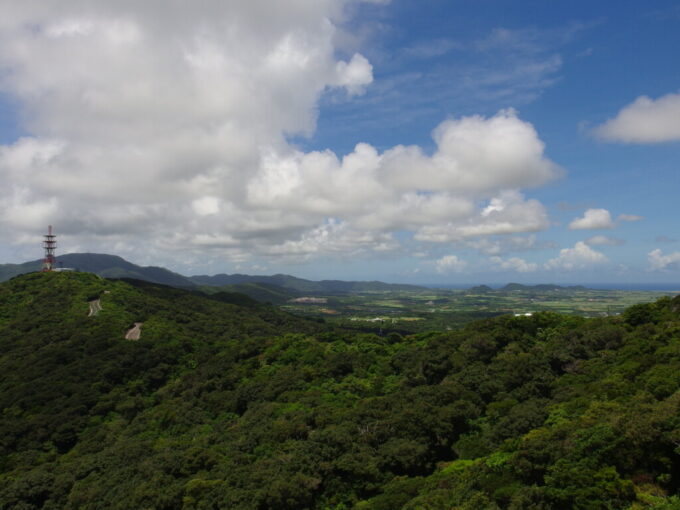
581 256
168 134
515 264
450 264
660 262
645 120
508 213
334 237
355 74
24 210
593 219
206 206
601 240
474 154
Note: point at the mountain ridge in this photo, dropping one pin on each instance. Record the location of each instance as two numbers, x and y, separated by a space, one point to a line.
114 266
541 287
301 284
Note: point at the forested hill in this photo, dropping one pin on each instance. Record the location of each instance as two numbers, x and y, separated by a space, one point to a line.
540 287
108 266
226 404
261 287
300 284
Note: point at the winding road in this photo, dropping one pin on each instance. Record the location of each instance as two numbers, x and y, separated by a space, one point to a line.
135 332
95 308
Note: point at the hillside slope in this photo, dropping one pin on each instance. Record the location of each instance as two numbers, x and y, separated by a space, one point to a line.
262 292
238 406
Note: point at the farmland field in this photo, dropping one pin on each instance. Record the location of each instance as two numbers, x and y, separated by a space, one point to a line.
438 309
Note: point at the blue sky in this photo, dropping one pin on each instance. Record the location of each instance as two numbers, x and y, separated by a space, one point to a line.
340 139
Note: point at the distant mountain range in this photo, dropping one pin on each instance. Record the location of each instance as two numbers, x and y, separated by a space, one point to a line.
278 288
510 287
300 284
541 287
275 288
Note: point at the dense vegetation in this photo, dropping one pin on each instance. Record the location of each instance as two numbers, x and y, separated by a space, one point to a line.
225 403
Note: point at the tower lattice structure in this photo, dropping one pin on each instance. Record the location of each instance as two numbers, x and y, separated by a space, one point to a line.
50 245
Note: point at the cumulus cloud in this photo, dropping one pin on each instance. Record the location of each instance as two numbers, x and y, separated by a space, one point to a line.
450 264
334 237
508 213
581 256
515 264
475 154
660 262
600 219
645 120
601 240
169 135
355 74
592 219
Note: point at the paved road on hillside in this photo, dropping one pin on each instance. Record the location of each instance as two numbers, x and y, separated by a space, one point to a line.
95 308
135 332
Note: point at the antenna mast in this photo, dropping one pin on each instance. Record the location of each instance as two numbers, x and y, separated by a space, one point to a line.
49 244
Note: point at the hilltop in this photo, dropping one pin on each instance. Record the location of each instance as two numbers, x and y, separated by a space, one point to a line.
226 403
108 266
480 289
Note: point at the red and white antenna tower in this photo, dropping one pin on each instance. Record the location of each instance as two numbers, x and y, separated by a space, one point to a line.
49 244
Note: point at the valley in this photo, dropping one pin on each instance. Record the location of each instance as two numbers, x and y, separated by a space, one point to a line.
437 309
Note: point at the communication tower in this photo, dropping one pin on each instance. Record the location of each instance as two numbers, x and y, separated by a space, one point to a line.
49 244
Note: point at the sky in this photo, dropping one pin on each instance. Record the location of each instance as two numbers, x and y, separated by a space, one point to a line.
423 141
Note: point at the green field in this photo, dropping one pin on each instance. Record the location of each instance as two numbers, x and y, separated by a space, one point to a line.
435 309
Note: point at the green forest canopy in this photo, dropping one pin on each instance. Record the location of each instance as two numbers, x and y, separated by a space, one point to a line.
226 403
